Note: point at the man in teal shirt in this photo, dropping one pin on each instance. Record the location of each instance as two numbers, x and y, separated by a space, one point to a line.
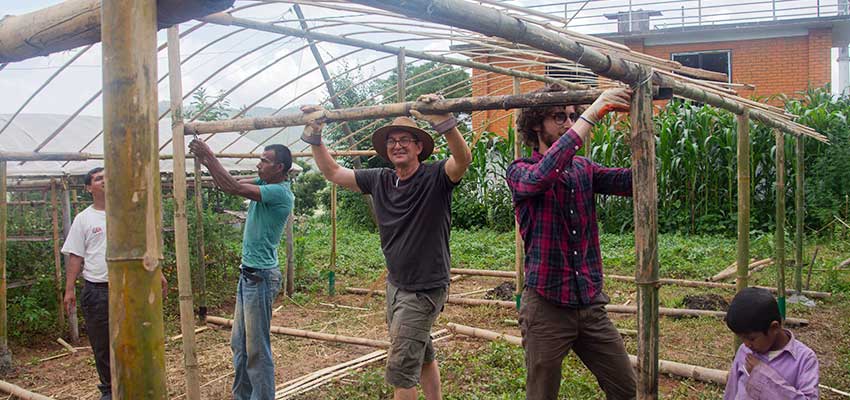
260 277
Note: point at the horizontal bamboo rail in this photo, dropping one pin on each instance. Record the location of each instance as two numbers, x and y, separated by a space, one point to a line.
27 156
622 278
492 22
665 367
464 104
381 344
614 308
33 156
75 23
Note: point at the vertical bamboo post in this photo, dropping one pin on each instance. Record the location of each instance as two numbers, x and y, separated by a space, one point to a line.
73 325
743 258
199 240
5 354
133 213
402 76
645 193
332 271
181 225
519 256
800 213
290 257
780 220
57 257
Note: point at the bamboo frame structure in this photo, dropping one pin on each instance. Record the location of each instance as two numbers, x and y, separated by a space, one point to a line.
137 335
181 224
779 243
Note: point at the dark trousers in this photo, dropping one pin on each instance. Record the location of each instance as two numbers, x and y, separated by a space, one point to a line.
550 331
95 305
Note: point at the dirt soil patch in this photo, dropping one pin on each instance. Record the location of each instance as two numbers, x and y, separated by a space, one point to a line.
708 301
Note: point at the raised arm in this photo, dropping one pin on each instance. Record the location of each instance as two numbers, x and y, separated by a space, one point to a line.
446 124
227 183
330 169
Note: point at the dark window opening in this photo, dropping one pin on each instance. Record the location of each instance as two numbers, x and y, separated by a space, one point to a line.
717 61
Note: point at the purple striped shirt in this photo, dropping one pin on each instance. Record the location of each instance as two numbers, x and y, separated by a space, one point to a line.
554 199
791 375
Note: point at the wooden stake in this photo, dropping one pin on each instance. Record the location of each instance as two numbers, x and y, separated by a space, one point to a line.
5 354
519 250
181 225
811 266
645 200
779 242
137 337
743 201
800 213
199 241
290 257
57 258
332 265
73 323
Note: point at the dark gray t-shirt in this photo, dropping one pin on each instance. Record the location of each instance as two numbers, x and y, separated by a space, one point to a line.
414 220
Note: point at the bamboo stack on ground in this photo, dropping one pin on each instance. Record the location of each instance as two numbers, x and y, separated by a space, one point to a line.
665 367
134 237
181 224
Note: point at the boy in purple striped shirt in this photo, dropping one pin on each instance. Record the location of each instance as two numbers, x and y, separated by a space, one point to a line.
771 363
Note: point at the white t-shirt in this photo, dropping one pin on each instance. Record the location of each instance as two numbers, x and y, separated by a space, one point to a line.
87 239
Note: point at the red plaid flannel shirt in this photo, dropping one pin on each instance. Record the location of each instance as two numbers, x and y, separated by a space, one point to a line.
554 199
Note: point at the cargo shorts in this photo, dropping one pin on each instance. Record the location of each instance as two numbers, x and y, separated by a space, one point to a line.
410 316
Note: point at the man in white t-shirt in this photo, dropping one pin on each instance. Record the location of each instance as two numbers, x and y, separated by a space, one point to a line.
85 247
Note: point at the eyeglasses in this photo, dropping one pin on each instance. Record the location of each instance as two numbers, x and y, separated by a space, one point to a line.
560 118
404 142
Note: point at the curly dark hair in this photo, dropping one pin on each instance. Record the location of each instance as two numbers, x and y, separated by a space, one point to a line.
531 117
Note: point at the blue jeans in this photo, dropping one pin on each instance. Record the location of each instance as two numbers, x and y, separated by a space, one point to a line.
250 342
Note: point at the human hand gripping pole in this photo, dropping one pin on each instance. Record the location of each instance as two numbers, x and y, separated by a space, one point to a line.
313 129
441 123
614 99
201 150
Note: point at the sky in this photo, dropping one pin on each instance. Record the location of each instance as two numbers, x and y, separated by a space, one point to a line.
82 80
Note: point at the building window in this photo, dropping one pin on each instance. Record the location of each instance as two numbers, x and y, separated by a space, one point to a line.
570 72
717 61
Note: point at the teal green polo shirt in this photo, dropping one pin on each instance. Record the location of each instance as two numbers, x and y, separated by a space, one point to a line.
265 223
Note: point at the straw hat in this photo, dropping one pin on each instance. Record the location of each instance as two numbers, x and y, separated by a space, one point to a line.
379 138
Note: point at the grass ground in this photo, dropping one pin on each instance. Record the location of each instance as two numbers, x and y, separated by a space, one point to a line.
474 368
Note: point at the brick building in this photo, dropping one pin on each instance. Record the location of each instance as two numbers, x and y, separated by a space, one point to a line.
775 57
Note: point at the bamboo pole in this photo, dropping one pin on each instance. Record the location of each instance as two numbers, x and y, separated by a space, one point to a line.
381 344
297 118
717 285
743 202
137 337
57 258
733 271
332 265
73 323
809 274
519 256
665 367
645 200
5 354
75 23
492 22
800 213
290 257
401 71
21 393
33 156
227 19
181 225
199 241
779 242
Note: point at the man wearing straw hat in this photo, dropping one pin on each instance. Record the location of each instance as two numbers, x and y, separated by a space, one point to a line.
563 305
413 209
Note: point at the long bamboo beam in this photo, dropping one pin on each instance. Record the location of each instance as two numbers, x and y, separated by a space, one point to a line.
181 224
466 104
5 354
614 308
133 215
645 200
75 23
381 344
228 19
779 239
33 156
492 22
28 156
665 367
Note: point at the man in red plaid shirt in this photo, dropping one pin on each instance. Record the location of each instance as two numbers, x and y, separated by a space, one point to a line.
563 305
